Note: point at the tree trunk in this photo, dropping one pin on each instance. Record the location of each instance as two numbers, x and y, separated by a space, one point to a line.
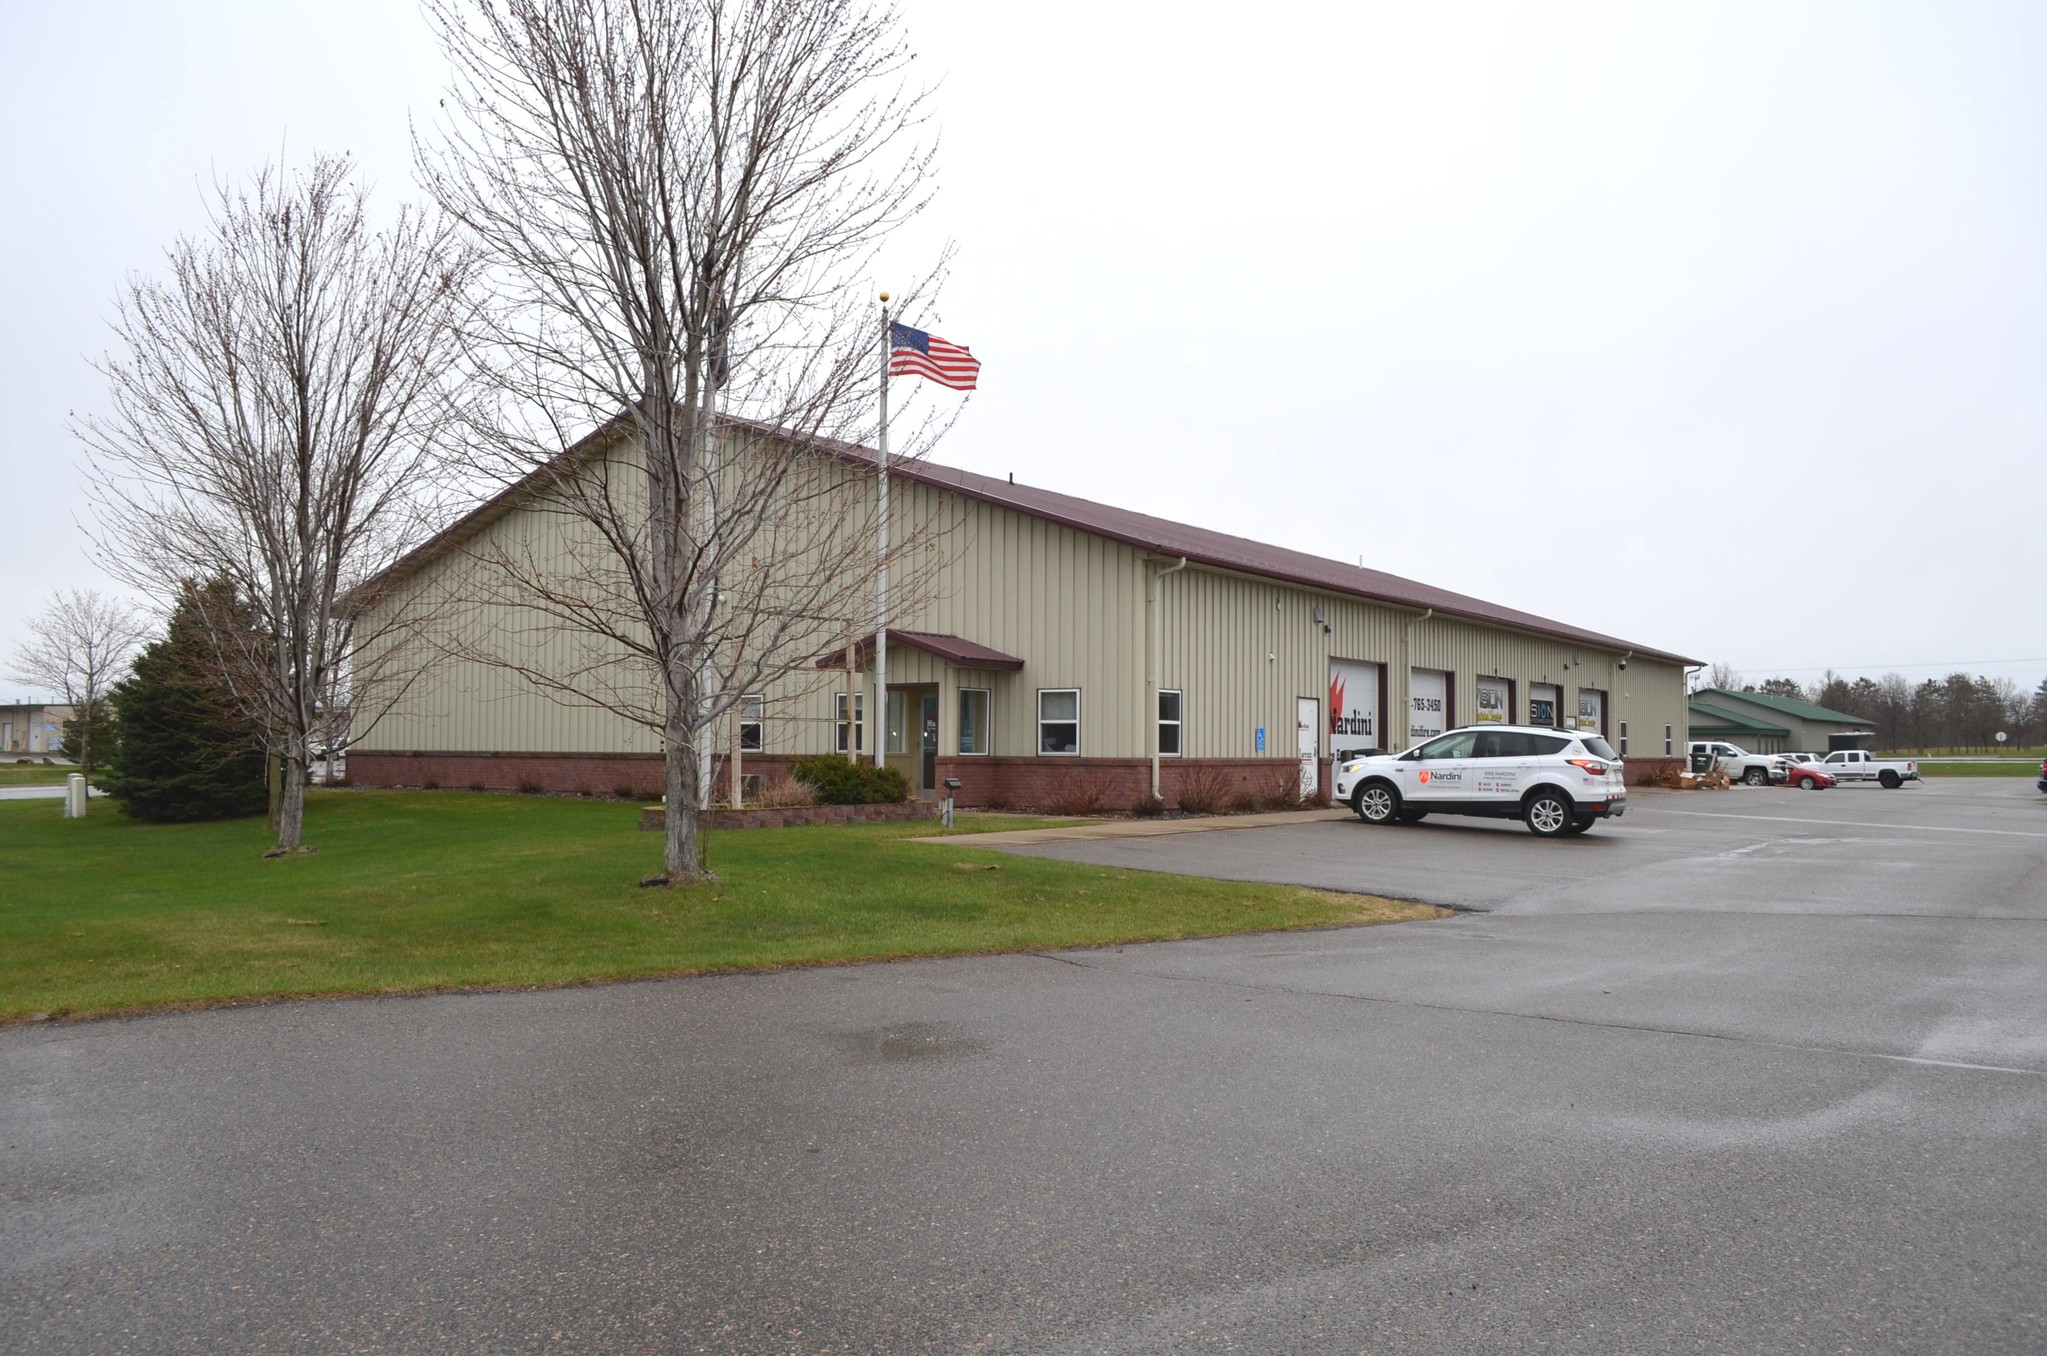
291 809
273 777
680 852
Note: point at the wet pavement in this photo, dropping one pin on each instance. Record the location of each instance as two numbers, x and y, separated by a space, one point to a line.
1764 1070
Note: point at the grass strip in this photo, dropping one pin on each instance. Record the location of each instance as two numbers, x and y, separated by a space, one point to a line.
2029 769
414 891
34 774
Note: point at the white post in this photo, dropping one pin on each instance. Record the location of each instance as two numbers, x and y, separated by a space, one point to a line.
881 560
74 796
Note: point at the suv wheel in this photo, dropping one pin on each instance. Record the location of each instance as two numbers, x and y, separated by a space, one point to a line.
1548 814
1376 803
1756 776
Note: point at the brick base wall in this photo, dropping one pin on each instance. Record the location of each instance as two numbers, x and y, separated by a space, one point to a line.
985 783
1046 783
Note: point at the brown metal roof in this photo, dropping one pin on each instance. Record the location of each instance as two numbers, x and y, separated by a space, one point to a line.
1201 546
1222 551
958 653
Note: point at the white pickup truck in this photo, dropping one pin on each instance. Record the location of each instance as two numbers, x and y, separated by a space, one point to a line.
1860 765
1757 769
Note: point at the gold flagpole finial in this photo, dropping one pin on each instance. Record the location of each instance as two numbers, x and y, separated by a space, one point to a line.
884 296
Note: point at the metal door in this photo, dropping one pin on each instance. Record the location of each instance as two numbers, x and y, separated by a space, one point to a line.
927 724
1308 744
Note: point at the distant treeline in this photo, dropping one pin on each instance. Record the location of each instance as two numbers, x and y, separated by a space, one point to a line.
1956 712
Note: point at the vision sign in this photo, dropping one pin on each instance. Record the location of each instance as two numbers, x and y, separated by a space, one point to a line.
1492 702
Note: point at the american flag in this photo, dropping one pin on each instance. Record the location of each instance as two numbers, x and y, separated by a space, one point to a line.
913 353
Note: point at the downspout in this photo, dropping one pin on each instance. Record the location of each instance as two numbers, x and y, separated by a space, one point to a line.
1153 643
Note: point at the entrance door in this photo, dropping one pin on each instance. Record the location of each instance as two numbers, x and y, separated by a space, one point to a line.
1308 743
927 725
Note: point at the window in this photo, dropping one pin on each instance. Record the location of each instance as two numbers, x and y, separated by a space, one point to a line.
973 720
1597 747
751 726
1546 744
1624 739
859 722
1503 744
898 713
1449 746
1058 720
1169 722
1667 748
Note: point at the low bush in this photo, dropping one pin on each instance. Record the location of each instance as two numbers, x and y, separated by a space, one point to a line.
529 787
1284 792
1204 790
1074 795
786 793
1149 806
430 784
838 782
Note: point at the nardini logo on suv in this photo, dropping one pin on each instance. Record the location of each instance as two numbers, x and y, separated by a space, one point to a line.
1556 781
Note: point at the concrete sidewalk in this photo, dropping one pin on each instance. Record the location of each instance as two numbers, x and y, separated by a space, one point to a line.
1141 828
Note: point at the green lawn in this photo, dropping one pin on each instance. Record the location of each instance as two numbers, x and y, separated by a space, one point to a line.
34 774
2003 768
435 890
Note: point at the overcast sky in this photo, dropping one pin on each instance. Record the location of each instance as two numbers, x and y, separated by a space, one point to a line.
1721 328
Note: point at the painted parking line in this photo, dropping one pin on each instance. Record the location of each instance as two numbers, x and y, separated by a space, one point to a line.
1852 823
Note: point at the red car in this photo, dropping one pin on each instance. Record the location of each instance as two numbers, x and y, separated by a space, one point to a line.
1808 777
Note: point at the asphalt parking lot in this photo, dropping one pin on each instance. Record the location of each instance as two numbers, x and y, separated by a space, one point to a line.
1757 1070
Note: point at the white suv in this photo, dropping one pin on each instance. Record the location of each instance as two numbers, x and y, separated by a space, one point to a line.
1556 781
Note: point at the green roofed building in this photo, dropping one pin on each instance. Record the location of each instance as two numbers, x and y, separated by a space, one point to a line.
1757 736
1763 723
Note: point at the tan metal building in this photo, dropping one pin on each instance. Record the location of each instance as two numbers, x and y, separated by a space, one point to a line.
1065 643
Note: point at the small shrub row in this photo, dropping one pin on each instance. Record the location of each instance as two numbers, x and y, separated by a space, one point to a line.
1075 796
838 782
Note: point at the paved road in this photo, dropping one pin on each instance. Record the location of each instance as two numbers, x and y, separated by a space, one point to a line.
1756 1071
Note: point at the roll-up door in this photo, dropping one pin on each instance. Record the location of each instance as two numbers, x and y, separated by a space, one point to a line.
1428 704
1591 711
1542 704
1353 708
1495 703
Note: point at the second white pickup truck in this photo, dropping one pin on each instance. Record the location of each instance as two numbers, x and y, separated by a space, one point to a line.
1860 765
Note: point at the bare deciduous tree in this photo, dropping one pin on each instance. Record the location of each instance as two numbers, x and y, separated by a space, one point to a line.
1723 677
80 646
678 197
277 410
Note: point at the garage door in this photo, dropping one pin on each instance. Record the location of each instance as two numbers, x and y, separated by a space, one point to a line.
1591 710
1542 704
1428 704
1353 707
1495 700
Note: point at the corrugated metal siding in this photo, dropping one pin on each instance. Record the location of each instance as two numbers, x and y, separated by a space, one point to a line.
1071 605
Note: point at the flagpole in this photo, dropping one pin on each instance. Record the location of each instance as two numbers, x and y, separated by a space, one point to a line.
880 722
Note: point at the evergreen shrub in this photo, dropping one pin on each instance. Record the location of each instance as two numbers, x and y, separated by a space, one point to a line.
838 782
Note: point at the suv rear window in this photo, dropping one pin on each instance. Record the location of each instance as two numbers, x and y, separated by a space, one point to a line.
1550 743
1598 747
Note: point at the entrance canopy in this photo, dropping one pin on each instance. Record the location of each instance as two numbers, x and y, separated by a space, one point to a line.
953 651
